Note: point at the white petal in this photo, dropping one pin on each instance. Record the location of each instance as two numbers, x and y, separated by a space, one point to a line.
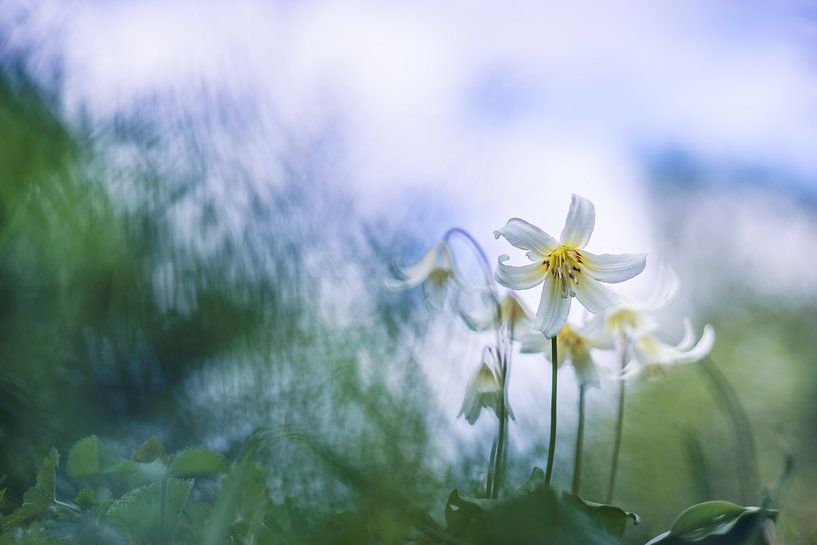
581 218
613 268
595 334
519 278
534 343
585 369
527 237
435 293
515 315
700 350
688 339
437 257
593 295
478 311
666 287
553 307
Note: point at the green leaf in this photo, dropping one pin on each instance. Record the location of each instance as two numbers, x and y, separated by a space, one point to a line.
716 522
139 510
152 449
611 519
89 456
39 497
193 462
531 514
709 514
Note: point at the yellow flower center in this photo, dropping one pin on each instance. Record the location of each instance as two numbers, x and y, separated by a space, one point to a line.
439 275
564 262
571 345
625 320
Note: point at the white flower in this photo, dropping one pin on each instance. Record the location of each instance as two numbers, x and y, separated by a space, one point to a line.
513 314
484 389
573 345
650 353
632 318
434 271
564 268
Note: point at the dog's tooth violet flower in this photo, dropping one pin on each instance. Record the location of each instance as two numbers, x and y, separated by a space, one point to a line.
434 271
633 318
650 353
484 389
574 345
513 314
563 266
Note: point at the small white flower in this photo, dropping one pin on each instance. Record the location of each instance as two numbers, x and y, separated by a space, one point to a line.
573 345
434 271
484 389
513 314
632 318
650 353
563 267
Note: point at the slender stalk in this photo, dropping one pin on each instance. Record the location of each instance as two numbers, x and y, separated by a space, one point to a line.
489 481
577 465
553 389
500 448
619 430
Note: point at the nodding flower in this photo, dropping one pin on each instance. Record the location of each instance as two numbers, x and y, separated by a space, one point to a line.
435 271
484 389
573 345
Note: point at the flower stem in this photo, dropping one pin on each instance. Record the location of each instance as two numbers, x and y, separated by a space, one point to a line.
489 481
553 389
619 430
499 460
577 466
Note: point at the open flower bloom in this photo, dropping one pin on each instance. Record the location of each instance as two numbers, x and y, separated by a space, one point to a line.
632 318
434 271
650 353
484 389
512 314
563 266
573 345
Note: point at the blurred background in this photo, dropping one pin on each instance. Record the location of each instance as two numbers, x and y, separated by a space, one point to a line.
200 201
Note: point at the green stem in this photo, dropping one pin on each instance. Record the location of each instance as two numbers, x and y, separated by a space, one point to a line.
577 466
553 389
619 430
489 481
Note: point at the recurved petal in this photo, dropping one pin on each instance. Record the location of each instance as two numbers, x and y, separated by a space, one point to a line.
593 295
700 350
554 306
527 237
666 287
581 218
613 268
412 276
519 278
